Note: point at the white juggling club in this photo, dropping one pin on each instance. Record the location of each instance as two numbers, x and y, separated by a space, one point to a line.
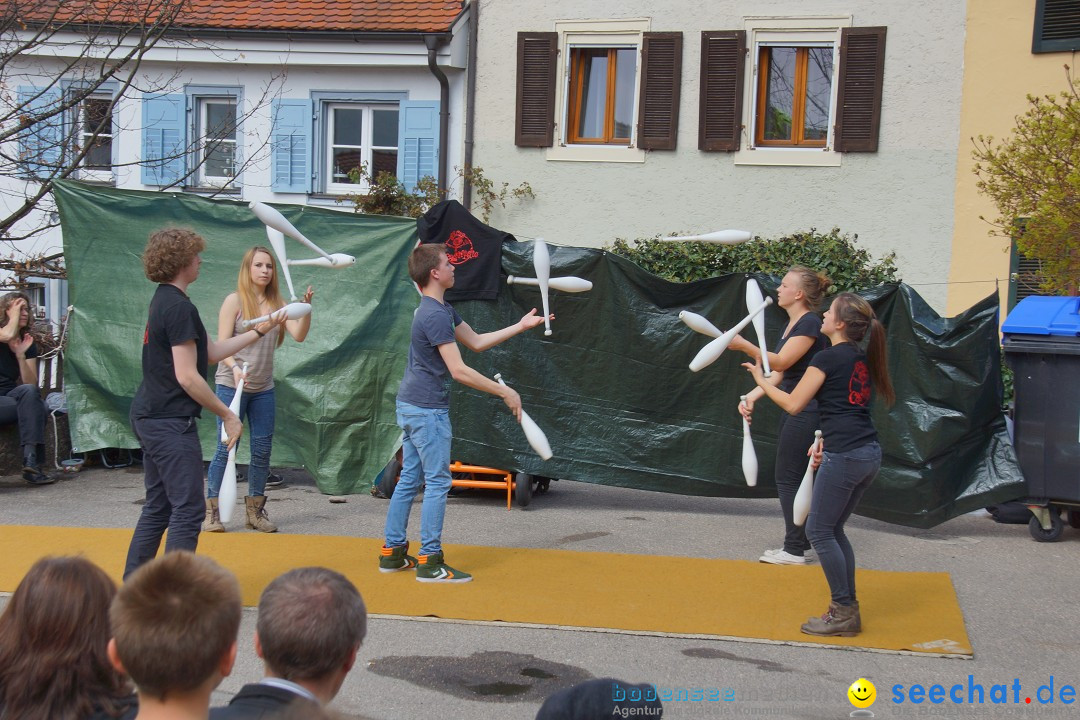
293 311
277 241
801 506
542 265
697 323
536 437
564 284
227 492
722 237
708 354
753 299
272 218
749 457
337 260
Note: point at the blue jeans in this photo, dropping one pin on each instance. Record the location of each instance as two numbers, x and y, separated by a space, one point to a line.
840 483
259 410
172 466
426 446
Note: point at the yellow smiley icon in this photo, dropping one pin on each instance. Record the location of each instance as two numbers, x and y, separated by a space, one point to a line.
862 693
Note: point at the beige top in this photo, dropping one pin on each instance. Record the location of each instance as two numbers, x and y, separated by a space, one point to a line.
259 356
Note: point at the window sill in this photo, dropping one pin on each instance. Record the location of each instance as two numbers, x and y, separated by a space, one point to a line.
207 190
99 182
788 156
595 153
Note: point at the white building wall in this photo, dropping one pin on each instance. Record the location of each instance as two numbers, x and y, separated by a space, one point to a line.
897 199
265 70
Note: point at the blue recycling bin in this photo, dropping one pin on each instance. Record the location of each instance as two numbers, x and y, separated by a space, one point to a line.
1041 338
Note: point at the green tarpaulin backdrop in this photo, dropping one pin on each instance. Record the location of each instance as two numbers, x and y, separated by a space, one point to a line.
612 391
335 391
611 386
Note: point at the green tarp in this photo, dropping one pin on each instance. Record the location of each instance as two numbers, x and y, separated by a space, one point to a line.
335 391
612 391
611 386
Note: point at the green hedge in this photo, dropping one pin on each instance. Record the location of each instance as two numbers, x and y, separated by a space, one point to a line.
836 254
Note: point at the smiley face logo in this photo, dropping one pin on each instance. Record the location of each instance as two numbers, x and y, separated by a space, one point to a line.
862 693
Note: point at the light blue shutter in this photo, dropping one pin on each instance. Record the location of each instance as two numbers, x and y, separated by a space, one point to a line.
418 141
163 121
40 148
291 146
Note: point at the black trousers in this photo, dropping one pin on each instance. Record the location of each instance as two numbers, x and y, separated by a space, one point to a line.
795 438
23 405
173 466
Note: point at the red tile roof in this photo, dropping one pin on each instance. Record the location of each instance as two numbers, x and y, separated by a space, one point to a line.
273 15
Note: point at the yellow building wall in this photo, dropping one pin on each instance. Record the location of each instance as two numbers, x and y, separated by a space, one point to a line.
1000 71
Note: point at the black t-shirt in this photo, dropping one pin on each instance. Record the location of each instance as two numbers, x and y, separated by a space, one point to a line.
10 375
173 320
809 325
473 248
844 398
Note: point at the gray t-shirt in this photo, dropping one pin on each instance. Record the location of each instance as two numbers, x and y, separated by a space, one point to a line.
427 379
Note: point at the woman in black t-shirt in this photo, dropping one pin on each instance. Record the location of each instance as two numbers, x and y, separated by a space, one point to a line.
799 295
841 379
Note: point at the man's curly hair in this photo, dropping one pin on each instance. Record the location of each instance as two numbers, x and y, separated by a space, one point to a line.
169 251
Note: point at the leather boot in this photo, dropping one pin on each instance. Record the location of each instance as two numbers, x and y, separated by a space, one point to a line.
257 517
838 620
212 523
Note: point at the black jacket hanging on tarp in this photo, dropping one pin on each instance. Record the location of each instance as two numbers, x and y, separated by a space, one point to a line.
473 248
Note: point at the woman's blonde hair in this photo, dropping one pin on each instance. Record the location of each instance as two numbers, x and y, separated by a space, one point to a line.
245 289
814 285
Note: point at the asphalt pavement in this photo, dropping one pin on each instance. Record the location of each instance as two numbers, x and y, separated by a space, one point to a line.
1018 598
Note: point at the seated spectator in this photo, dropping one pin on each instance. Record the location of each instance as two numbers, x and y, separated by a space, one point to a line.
174 625
20 398
311 623
53 635
600 699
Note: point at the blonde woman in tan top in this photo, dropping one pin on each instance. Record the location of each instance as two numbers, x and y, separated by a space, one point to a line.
257 294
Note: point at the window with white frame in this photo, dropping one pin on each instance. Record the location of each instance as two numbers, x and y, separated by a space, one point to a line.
215 130
790 113
94 133
359 135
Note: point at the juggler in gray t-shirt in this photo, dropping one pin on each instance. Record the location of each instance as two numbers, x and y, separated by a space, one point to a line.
427 379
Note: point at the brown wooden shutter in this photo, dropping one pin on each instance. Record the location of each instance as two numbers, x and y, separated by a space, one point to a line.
658 104
858 98
537 55
723 63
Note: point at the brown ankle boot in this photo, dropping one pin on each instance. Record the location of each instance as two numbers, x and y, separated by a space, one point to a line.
858 618
257 517
838 620
212 523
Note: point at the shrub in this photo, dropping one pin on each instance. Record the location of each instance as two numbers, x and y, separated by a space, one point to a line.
835 253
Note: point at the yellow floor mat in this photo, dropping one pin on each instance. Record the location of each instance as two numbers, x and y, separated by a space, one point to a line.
646 594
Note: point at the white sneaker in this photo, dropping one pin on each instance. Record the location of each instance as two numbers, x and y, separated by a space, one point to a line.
781 557
809 554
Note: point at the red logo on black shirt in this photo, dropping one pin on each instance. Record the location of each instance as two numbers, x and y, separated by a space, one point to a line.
859 386
146 335
459 248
